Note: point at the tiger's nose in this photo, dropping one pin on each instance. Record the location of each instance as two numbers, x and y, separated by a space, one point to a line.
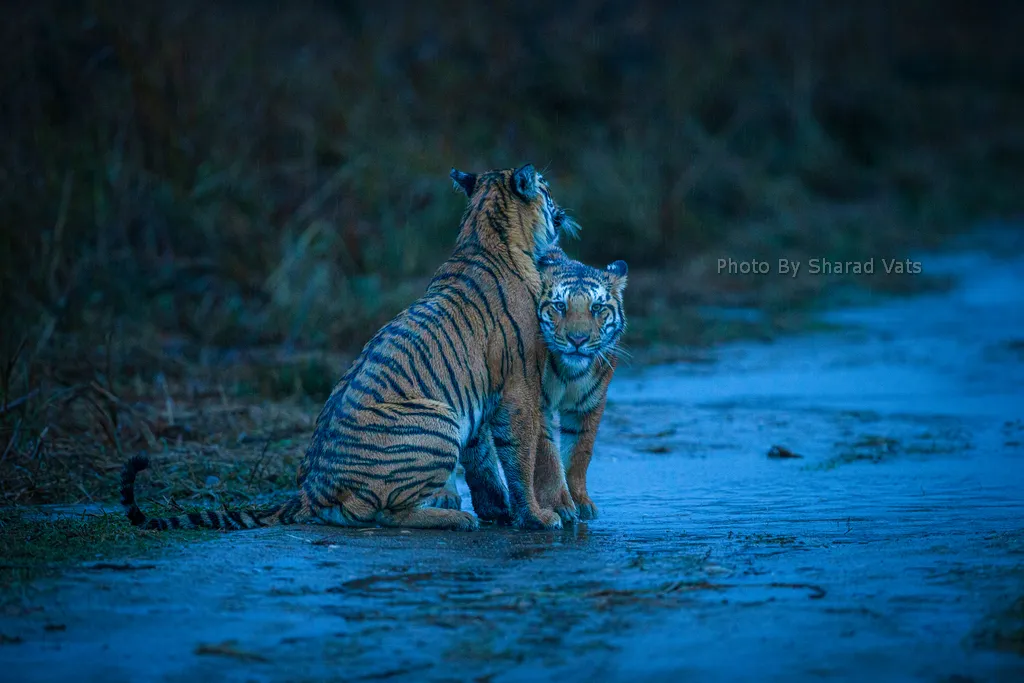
577 339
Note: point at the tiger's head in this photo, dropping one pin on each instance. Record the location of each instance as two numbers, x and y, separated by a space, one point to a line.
521 201
580 308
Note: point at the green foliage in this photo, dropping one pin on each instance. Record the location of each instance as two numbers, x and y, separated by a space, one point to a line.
251 173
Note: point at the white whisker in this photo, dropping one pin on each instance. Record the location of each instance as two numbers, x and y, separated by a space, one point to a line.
620 350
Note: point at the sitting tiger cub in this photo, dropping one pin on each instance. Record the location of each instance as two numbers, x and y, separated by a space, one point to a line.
581 320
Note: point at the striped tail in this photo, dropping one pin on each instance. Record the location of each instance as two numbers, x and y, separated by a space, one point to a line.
291 511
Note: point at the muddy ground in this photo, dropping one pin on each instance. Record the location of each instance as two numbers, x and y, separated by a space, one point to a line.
890 548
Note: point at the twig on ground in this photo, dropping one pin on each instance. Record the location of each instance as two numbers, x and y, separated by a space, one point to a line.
39 442
8 373
259 463
11 442
8 407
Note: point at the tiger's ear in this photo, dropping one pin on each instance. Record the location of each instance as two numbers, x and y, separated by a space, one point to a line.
616 273
464 182
524 182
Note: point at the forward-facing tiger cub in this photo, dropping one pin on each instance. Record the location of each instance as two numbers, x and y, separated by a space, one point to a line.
465 354
582 321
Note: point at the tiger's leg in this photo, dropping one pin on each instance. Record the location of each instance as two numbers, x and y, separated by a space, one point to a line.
486 488
578 433
447 498
380 464
549 474
516 428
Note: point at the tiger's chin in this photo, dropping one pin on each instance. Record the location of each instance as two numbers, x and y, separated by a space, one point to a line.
575 360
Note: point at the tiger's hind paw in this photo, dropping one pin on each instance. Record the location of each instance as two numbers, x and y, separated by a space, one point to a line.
490 511
429 518
499 517
464 521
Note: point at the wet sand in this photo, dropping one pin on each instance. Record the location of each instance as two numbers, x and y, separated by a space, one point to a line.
892 549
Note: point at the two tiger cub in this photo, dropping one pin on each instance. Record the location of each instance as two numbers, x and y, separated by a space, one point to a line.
460 375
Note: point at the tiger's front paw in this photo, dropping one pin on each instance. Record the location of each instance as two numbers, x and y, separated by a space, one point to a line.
495 514
567 513
445 500
565 508
586 509
542 520
488 511
491 506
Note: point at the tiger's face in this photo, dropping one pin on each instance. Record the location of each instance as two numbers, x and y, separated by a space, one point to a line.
580 310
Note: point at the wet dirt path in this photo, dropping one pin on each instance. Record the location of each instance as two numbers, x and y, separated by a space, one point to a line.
891 550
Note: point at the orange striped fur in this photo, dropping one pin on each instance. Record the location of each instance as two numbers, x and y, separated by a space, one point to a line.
465 356
581 321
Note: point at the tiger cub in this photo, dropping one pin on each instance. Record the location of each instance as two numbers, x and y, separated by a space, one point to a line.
581 320
464 355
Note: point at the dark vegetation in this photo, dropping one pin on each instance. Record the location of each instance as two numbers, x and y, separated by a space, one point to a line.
30 547
207 208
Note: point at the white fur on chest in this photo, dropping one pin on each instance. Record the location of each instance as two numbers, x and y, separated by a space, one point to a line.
570 395
567 401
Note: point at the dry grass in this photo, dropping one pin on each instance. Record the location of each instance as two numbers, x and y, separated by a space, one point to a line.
198 201
224 430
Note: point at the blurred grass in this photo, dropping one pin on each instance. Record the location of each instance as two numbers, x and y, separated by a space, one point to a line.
200 199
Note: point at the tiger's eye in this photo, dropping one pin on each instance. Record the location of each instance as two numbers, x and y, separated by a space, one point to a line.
560 306
596 308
